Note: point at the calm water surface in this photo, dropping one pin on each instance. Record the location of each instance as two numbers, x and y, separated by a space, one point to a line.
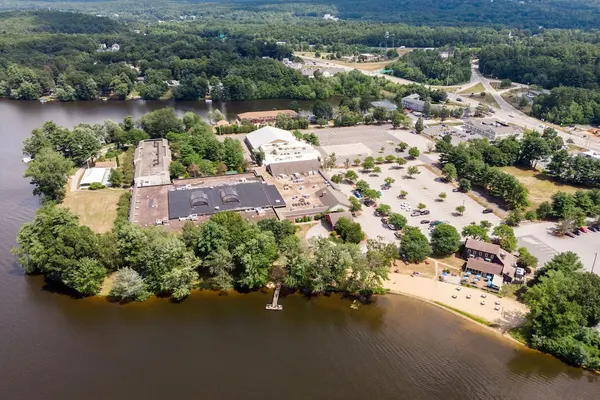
209 347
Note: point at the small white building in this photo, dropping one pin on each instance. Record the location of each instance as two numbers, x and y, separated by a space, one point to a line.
284 154
91 175
413 102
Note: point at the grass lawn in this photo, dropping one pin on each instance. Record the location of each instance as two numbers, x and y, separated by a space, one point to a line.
512 97
510 290
541 187
167 95
496 85
95 208
476 89
489 100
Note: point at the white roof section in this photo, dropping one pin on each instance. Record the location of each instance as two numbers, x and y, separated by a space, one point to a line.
267 135
92 175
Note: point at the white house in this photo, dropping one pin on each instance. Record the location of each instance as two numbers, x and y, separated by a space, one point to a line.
284 154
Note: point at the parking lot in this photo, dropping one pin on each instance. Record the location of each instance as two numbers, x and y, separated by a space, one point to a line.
363 141
425 189
540 241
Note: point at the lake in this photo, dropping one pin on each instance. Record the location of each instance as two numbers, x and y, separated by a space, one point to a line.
229 347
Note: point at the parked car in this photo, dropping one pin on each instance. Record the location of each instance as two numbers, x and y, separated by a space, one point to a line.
425 212
377 214
569 234
357 194
488 211
583 229
391 226
398 234
369 203
416 213
425 221
577 232
384 220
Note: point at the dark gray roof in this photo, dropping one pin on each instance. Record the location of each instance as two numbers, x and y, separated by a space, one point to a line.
250 194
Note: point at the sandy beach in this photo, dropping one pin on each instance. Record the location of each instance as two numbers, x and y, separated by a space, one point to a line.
511 312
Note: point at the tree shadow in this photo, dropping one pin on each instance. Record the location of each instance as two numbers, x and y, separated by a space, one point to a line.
52 286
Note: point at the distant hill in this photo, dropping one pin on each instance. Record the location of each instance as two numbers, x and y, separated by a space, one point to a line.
582 14
529 14
55 22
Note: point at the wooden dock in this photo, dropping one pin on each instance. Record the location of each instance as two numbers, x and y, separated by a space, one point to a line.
274 306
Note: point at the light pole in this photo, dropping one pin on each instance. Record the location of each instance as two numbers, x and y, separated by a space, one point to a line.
594 264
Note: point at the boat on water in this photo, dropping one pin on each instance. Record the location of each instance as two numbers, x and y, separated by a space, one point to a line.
43 100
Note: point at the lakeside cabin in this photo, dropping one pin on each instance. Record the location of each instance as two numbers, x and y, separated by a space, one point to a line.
264 117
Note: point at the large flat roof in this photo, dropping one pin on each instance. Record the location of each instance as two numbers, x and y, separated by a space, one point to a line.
152 161
186 200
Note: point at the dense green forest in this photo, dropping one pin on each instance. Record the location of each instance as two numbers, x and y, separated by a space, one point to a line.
570 67
523 14
183 62
428 66
564 310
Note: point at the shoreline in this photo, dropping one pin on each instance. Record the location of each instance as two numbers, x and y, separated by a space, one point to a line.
496 330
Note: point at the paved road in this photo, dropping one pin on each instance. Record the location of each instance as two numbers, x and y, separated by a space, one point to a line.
506 112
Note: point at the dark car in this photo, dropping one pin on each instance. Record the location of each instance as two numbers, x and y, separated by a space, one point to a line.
398 235
425 212
488 211
369 203
384 220
425 221
377 214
